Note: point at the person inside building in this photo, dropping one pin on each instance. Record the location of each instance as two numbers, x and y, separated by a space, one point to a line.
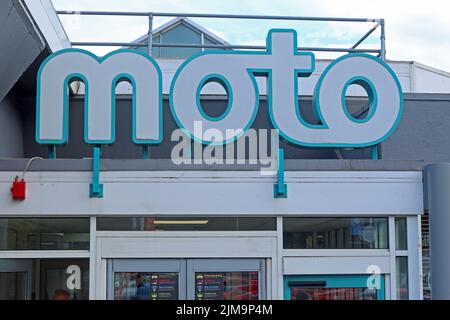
61 295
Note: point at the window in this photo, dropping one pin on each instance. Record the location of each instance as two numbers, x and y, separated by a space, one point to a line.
335 233
44 234
13 285
402 278
44 279
186 224
333 294
180 33
333 287
64 279
401 236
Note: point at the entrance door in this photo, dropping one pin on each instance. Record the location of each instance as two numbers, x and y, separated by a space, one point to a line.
145 279
179 279
15 279
333 287
225 279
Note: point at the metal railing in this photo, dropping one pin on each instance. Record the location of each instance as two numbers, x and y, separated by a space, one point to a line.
379 23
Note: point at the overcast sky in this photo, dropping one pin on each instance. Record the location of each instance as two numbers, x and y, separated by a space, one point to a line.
415 30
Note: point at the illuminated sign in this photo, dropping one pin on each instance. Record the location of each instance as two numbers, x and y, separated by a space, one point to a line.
236 71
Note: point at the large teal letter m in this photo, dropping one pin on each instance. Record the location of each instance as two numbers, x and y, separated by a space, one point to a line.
100 77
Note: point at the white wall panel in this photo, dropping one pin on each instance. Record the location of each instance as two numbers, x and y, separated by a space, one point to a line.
216 193
170 245
334 265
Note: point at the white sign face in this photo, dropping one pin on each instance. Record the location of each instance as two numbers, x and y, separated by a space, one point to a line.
236 71
100 77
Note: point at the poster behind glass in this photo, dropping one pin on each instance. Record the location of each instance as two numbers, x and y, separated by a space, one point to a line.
333 294
226 285
145 286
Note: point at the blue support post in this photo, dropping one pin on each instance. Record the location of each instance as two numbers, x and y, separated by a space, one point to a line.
96 188
51 152
280 188
374 152
145 152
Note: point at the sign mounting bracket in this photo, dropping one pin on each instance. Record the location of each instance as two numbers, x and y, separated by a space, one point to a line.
280 188
96 188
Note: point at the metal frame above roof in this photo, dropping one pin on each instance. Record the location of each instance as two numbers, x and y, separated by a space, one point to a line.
378 24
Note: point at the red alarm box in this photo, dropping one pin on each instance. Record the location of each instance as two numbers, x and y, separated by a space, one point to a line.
18 189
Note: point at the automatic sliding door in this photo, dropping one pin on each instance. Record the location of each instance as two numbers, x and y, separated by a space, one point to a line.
145 279
192 279
225 279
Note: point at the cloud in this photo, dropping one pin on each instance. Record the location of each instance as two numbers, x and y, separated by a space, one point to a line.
415 30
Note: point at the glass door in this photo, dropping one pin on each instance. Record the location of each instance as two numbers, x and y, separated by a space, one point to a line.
64 279
332 287
147 279
226 279
15 279
192 279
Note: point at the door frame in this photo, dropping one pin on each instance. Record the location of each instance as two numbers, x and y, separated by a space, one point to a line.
19 265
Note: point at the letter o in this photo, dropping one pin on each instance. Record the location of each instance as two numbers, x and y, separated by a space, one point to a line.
239 84
385 100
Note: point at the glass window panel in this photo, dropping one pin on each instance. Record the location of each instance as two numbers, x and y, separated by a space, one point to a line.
401 237
402 278
47 279
145 286
213 42
156 51
209 41
335 233
64 279
44 234
333 294
186 224
180 34
226 285
13 285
